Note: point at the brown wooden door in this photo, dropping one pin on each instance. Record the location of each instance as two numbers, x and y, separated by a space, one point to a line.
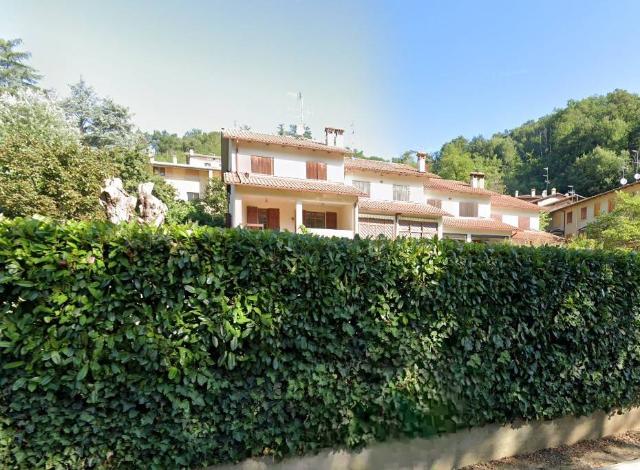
273 219
331 219
252 215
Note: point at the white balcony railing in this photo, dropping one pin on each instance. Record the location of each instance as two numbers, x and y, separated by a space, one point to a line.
327 232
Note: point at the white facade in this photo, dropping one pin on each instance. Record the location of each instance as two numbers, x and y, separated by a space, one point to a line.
381 186
189 179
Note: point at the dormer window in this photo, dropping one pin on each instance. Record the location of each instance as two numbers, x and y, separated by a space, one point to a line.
261 165
316 171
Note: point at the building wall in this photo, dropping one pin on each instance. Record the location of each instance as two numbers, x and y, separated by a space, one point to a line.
288 162
382 185
512 216
451 202
186 180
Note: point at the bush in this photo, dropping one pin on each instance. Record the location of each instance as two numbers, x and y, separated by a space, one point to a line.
136 347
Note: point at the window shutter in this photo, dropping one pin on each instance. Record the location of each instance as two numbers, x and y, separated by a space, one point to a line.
468 209
268 167
435 203
321 170
611 205
312 170
332 220
256 164
273 219
524 222
252 215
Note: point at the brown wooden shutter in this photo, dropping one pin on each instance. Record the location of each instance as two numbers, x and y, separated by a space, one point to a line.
611 205
524 222
268 165
312 170
321 170
252 215
256 164
331 220
273 219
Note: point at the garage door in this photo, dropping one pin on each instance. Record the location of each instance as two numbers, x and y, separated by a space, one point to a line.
373 227
417 229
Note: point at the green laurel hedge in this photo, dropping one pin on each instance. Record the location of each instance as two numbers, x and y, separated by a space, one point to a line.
181 347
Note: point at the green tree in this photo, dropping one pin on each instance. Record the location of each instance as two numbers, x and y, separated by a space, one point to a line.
408 157
43 167
618 229
291 132
210 210
101 121
454 160
598 170
15 74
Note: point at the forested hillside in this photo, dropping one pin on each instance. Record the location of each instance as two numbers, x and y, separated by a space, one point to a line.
585 144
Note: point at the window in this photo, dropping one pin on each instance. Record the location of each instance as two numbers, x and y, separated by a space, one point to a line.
570 217
400 192
262 165
316 170
596 209
193 196
312 219
159 171
259 218
468 209
435 203
583 213
207 164
363 186
524 222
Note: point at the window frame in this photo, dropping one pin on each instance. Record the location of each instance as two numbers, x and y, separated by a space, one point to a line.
401 190
361 185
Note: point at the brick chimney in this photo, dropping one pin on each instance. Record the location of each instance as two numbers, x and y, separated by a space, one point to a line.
553 191
422 161
533 192
477 180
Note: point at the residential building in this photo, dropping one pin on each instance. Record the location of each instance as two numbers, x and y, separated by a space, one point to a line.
296 184
571 218
289 183
190 179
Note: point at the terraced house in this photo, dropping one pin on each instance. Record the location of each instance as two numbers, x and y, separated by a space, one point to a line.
300 185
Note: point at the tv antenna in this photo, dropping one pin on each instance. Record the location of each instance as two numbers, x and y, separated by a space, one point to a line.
636 163
300 129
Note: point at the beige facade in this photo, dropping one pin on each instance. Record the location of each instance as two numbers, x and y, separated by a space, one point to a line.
570 219
189 179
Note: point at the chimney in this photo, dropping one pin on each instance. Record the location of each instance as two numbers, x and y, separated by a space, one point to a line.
517 193
299 130
191 152
477 180
174 159
544 193
553 191
533 192
422 161
330 136
334 137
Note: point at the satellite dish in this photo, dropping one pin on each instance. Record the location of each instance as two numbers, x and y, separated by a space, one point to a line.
623 181
636 176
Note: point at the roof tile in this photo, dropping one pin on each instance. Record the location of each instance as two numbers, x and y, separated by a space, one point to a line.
477 223
287 141
442 185
399 207
503 200
293 184
376 166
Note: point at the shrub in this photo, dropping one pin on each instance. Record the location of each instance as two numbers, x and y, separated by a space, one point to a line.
179 347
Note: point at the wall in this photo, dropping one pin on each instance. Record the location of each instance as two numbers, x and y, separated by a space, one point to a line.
462 448
451 202
186 180
511 216
290 162
382 185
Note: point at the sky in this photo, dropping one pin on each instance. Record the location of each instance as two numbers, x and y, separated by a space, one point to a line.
396 75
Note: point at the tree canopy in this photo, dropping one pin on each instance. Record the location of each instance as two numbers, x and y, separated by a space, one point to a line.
584 144
15 74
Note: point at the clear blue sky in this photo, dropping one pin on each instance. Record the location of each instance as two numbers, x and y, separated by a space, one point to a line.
402 75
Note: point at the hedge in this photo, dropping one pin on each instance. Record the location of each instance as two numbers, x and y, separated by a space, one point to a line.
184 347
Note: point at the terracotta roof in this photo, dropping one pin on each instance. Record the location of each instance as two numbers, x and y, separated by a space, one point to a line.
376 166
476 224
502 200
287 141
399 207
293 184
536 238
438 184
559 206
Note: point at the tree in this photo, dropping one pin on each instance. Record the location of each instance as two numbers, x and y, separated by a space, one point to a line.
356 153
597 171
291 132
43 167
618 229
15 74
454 161
101 121
210 210
408 157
